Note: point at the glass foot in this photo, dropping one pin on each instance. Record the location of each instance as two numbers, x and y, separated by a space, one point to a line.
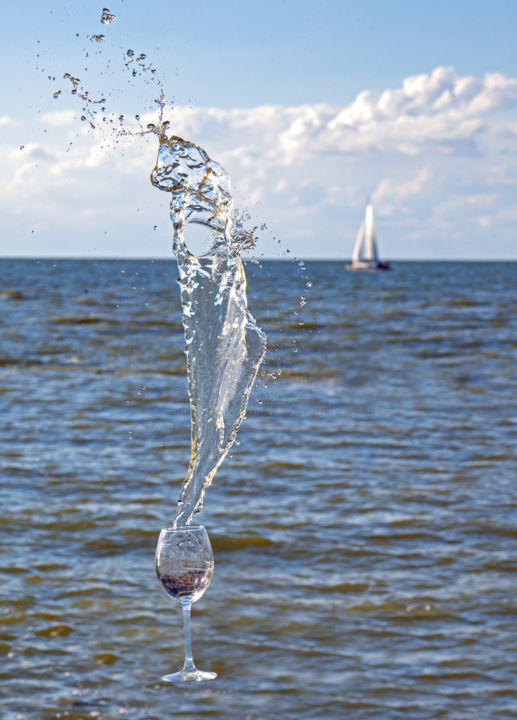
189 675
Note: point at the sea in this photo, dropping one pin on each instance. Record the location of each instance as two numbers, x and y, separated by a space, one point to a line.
364 528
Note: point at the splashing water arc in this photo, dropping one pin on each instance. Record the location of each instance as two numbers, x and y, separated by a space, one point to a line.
223 344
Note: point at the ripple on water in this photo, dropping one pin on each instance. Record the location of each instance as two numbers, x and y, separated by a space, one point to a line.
367 568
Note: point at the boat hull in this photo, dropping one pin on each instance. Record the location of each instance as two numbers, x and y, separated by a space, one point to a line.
368 266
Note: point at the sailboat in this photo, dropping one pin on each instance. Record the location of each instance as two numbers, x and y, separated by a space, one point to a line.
365 255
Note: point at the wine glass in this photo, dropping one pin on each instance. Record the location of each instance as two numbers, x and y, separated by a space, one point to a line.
184 566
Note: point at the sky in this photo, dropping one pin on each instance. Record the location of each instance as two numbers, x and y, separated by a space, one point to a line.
310 107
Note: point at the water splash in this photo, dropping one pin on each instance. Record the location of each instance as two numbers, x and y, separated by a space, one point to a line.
135 64
107 17
224 345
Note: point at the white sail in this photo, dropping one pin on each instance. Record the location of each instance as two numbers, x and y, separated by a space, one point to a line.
365 255
370 245
358 243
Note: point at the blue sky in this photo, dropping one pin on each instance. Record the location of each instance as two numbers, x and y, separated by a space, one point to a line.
309 106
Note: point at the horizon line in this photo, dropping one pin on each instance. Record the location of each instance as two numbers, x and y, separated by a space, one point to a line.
136 258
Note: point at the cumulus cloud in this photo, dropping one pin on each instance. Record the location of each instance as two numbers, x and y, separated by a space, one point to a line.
59 118
435 148
442 110
391 190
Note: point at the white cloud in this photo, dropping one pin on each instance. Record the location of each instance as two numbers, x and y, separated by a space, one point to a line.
390 191
434 154
59 118
440 109
464 208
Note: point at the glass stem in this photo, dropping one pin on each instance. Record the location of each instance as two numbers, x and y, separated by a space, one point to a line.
189 662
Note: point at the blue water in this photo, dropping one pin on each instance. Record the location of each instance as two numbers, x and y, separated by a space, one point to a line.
368 566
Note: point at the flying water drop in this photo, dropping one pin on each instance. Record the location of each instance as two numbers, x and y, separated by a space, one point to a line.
107 17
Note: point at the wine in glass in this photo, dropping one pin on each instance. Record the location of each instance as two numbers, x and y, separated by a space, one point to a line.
184 566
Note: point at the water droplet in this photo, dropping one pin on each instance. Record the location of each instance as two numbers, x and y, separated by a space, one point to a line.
107 17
